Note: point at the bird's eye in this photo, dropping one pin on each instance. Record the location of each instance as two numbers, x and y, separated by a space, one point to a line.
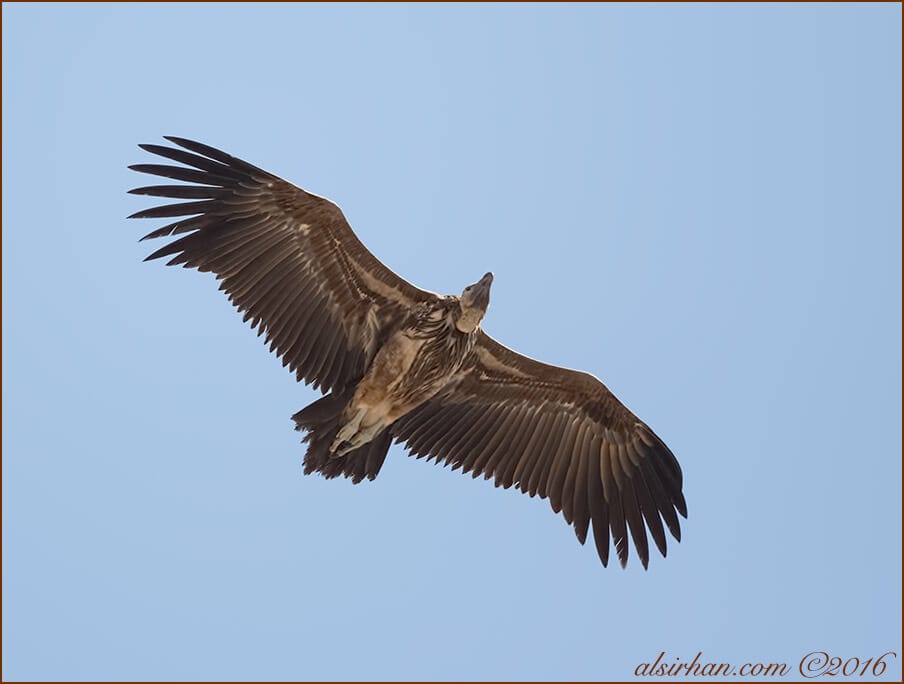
468 288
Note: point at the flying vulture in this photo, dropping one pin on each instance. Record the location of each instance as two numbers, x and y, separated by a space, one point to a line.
399 363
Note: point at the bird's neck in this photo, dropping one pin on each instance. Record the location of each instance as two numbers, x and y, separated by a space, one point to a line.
468 320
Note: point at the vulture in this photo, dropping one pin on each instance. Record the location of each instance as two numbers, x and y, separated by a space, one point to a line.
398 363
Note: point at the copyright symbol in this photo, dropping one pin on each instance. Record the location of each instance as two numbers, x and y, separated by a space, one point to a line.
814 663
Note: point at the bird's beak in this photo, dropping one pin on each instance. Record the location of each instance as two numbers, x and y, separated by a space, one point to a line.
480 292
483 285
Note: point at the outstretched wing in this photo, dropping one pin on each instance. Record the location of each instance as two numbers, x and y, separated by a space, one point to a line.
285 257
558 433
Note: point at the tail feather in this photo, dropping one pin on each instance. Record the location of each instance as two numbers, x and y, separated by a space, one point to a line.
322 420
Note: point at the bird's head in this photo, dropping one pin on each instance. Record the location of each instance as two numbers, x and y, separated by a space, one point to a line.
474 301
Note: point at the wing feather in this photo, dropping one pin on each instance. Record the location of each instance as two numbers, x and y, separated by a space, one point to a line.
559 434
568 486
508 455
505 470
502 435
450 431
287 259
580 505
540 474
599 509
483 428
560 469
612 488
532 450
178 191
650 512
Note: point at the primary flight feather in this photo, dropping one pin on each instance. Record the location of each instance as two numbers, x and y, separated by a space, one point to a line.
400 363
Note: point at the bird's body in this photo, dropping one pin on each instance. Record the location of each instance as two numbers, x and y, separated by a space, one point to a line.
400 363
415 363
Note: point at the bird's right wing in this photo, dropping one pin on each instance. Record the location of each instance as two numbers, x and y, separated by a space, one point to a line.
285 257
558 433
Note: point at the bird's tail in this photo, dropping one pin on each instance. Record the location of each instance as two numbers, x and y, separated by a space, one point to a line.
322 421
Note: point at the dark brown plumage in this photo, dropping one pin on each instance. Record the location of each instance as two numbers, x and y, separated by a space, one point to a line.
400 363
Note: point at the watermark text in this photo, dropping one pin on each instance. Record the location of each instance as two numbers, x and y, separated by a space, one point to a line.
812 665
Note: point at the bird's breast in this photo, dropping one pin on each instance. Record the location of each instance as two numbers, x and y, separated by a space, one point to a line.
412 366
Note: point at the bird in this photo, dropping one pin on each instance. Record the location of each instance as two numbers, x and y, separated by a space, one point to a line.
397 363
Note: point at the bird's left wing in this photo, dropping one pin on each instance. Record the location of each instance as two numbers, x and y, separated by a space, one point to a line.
284 256
558 433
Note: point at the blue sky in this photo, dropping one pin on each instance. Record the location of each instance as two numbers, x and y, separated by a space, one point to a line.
698 204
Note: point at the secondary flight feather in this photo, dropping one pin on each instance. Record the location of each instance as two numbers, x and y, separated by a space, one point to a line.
397 363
